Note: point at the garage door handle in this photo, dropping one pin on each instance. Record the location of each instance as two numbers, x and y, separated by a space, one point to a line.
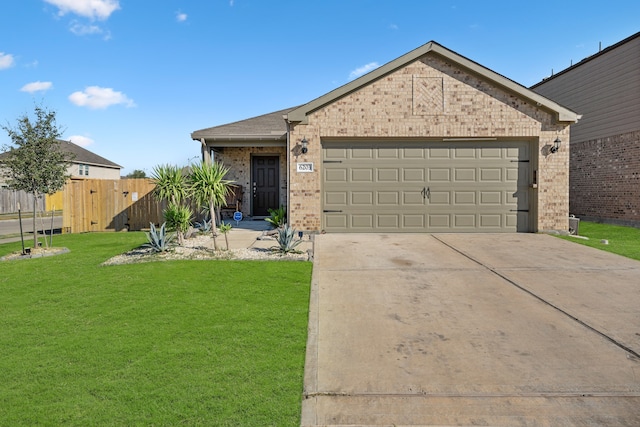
426 193
330 211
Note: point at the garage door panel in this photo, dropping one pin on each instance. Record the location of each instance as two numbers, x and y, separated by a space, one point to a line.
388 175
490 175
464 174
439 222
362 153
335 198
391 198
440 198
426 186
361 175
388 153
388 221
490 198
413 175
439 174
416 221
336 221
362 221
413 153
464 197
412 198
335 176
362 198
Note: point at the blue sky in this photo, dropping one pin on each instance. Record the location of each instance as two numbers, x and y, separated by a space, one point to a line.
131 79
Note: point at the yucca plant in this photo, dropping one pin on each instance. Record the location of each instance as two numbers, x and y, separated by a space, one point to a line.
277 217
286 239
159 240
208 186
172 186
178 217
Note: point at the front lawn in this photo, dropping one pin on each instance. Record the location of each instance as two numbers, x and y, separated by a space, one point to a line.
621 240
163 343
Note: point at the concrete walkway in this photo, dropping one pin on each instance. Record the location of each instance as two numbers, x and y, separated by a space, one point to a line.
471 329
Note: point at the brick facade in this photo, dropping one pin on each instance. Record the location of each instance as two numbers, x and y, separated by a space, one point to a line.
433 98
605 179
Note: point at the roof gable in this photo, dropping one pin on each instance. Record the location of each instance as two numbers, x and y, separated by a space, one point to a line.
299 115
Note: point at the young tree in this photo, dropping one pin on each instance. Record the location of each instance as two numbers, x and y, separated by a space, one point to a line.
208 186
35 163
171 185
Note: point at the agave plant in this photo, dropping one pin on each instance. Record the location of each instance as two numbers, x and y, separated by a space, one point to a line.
159 241
286 239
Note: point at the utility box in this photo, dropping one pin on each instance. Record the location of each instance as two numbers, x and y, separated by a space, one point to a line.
574 225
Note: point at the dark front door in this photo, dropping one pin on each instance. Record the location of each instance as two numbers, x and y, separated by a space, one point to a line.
265 173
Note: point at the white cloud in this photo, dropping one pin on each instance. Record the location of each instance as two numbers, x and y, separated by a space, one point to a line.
363 70
6 61
96 97
93 9
231 2
81 29
181 17
37 87
80 140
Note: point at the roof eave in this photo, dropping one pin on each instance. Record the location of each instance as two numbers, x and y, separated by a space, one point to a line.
249 137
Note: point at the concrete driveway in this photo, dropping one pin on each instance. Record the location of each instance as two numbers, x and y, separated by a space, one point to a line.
471 329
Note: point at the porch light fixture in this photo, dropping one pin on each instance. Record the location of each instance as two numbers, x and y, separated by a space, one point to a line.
305 144
556 146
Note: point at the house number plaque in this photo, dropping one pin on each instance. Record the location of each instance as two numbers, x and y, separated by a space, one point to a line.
305 167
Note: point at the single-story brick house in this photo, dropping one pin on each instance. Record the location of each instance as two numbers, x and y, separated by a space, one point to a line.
429 142
604 171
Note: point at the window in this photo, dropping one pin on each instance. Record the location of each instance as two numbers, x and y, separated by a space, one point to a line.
83 170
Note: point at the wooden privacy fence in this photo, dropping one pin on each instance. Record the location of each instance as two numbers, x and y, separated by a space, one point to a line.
110 205
11 199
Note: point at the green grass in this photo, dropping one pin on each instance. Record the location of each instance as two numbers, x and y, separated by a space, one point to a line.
623 241
163 344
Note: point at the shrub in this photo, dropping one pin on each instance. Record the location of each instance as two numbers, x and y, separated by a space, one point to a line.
277 217
178 217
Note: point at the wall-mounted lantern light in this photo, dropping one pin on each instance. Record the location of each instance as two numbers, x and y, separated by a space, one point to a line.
556 145
305 145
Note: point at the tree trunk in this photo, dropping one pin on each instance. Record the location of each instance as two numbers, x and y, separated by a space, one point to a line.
214 227
35 232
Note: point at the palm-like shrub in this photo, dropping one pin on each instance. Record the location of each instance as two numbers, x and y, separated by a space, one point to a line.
208 186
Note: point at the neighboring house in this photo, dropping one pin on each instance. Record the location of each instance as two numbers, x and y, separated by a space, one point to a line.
430 142
87 164
604 178
84 165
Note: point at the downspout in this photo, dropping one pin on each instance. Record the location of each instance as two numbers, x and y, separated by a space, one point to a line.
286 120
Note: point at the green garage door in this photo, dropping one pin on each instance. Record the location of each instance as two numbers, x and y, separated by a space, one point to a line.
426 186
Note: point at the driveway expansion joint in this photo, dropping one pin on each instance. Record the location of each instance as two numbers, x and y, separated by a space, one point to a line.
495 271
